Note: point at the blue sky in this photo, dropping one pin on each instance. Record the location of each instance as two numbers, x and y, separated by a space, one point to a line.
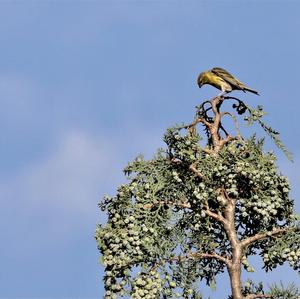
85 86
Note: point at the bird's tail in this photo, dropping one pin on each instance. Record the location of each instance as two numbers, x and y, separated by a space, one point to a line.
251 90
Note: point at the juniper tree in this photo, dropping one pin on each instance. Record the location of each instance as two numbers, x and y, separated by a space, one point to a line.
201 206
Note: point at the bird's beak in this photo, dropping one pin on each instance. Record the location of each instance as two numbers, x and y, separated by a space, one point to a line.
200 84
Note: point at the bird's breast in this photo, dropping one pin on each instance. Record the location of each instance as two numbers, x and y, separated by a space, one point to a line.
218 82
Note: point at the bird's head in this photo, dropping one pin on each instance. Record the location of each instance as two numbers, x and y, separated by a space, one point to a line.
202 79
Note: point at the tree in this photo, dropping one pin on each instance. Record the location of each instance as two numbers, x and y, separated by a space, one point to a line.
200 207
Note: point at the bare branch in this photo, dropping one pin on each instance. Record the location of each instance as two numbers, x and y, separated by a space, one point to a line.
238 133
215 103
233 98
213 124
197 121
225 113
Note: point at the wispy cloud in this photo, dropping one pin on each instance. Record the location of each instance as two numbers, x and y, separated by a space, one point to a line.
61 191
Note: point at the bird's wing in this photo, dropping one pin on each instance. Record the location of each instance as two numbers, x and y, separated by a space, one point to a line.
227 77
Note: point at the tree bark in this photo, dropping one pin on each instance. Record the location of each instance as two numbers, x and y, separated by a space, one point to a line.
234 268
235 280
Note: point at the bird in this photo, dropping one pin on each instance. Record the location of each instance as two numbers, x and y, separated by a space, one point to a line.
222 80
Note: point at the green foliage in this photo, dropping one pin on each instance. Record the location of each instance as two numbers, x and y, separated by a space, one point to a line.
159 217
275 291
281 292
283 249
255 115
252 288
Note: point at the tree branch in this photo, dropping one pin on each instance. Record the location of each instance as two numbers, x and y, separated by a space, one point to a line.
253 296
228 138
196 171
212 256
213 124
169 203
238 133
198 120
214 215
192 167
276 231
198 255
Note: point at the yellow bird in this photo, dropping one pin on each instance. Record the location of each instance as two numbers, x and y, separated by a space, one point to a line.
222 80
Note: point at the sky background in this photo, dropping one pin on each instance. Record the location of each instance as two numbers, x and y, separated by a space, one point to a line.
85 86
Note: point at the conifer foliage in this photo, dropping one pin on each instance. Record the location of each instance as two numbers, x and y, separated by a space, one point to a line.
194 211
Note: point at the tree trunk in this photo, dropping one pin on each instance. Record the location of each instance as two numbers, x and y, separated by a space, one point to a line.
234 268
235 281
